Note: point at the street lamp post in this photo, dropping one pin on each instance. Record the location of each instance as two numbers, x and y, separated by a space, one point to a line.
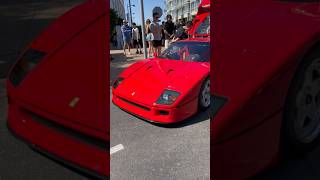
189 13
130 12
143 30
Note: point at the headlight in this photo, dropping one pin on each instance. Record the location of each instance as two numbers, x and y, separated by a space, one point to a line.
28 61
168 97
117 82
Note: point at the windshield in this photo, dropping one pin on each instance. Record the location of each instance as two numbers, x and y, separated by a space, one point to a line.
204 27
187 51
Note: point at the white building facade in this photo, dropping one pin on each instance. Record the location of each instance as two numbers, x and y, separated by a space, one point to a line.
118 6
182 9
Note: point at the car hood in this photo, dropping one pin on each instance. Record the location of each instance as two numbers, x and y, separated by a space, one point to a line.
68 25
146 84
69 81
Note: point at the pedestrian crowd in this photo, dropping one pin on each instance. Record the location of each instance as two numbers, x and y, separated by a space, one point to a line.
157 35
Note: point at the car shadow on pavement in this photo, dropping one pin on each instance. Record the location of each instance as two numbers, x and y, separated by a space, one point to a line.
295 168
197 118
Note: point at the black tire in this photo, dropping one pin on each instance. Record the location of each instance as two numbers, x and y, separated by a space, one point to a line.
202 105
300 112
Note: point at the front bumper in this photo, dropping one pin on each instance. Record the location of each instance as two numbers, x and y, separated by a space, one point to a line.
157 114
86 155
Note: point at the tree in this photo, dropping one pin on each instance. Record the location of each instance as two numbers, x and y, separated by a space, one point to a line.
113 20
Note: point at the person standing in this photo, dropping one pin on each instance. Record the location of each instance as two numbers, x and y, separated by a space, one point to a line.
183 32
169 29
149 38
126 34
136 38
119 36
155 28
162 34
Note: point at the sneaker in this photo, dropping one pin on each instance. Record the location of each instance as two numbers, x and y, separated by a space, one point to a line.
137 52
129 53
141 52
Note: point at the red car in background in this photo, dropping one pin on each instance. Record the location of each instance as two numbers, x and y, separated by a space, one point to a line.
168 88
266 84
57 93
201 22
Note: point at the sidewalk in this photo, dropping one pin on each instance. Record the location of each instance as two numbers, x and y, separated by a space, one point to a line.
121 62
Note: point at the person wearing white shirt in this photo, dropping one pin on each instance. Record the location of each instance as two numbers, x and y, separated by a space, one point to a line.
136 38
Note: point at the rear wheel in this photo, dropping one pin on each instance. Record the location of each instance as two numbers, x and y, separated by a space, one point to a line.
302 111
204 95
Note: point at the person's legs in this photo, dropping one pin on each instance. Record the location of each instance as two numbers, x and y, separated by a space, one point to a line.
158 47
135 43
154 46
119 43
159 50
139 46
140 49
129 45
124 48
126 42
149 49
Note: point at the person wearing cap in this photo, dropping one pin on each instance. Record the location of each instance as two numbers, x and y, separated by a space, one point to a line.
126 35
155 29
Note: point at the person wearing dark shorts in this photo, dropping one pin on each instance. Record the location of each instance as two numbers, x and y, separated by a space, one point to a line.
155 29
126 35
157 43
136 38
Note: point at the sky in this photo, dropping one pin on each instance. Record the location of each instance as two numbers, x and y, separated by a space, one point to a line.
148 6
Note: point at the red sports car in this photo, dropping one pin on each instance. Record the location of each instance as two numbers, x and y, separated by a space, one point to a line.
170 87
201 22
57 96
266 83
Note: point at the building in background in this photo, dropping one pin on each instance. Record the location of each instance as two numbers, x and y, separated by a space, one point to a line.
118 6
182 9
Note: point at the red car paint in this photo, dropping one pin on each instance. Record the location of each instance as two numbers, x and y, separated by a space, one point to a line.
42 108
145 80
202 13
258 45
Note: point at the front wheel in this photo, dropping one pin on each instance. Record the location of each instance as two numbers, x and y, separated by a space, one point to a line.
204 95
302 111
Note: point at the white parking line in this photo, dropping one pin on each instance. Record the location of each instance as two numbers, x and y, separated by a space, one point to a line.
116 148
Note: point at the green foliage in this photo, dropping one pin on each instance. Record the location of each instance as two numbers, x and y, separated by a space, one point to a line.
114 18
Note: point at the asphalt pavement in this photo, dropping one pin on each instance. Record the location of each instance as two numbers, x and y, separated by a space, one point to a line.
155 152
21 21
